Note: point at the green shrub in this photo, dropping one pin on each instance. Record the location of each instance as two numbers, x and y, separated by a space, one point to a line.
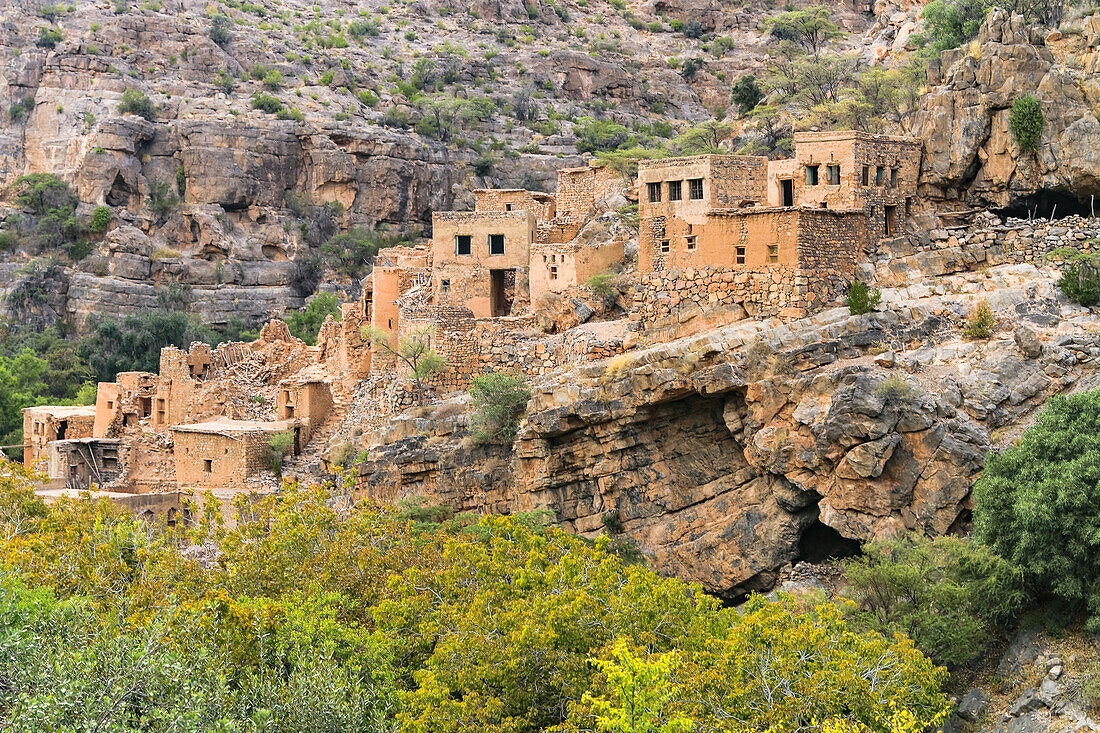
161 200
862 299
8 240
290 114
101 219
602 284
219 29
950 23
484 163
20 109
137 103
599 135
273 80
1080 280
306 323
266 103
275 449
499 401
948 594
1036 504
1026 122
693 29
981 322
896 389
48 37
43 193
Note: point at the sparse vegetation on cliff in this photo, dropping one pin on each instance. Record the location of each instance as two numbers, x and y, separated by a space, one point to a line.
1026 122
499 401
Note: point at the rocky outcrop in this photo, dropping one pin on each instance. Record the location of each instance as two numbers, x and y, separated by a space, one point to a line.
970 154
728 455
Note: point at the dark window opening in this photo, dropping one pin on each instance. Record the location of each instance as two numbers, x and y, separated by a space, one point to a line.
654 192
811 175
208 465
496 244
464 244
666 245
444 286
833 174
773 253
695 189
62 427
675 191
691 242
145 404
740 255
553 272
893 178
866 178
507 207
880 175
890 220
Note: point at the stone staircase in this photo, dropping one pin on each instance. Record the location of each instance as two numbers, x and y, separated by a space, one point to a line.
307 464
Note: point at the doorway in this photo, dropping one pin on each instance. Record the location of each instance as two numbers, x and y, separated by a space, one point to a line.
890 220
502 291
786 192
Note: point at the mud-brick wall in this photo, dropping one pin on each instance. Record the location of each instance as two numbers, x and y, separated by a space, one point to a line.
512 346
233 457
450 333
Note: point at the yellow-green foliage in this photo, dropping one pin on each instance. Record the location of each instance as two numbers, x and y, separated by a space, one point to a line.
320 618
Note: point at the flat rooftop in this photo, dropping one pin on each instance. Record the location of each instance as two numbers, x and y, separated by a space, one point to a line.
63 411
224 425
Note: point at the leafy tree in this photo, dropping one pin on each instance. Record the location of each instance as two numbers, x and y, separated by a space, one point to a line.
1080 279
414 351
595 136
48 37
1025 121
353 252
639 694
1035 503
42 193
161 200
950 23
135 102
219 28
746 93
133 343
499 401
266 103
704 138
949 594
693 29
306 323
862 299
811 28
101 219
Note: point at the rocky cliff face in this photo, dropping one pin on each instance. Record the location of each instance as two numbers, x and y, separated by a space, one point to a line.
251 186
728 455
971 156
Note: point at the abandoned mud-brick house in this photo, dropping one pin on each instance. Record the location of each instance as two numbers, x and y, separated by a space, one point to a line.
43 425
224 453
769 237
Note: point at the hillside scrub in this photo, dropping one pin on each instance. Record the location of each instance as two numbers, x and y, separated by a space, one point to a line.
1080 278
361 619
499 401
1035 504
949 594
306 322
1025 121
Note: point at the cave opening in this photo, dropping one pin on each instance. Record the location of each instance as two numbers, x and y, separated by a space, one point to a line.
820 543
1048 204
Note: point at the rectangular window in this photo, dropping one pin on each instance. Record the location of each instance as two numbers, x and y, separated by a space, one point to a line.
444 286
665 246
464 244
773 253
866 179
691 244
554 272
675 190
740 255
507 207
880 175
811 175
654 190
695 189
893 177
833 172
208 466
496 244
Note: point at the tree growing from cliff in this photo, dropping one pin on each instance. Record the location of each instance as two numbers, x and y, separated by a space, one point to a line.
950 24
981 322
135 102
1026 123
306 323
499 401
414 351
811 28
219 28
1035 504
746 93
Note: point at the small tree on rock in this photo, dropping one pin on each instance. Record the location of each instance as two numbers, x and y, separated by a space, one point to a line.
1026 123
414 351
1080 280
499 400
862 299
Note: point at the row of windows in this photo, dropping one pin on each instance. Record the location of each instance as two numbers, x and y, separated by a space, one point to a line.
832 175
739 252
675 190
464 244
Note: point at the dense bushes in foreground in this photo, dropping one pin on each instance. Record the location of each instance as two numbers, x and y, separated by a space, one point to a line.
311 618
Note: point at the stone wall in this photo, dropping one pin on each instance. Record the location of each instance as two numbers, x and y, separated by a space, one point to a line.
466 279
500 200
